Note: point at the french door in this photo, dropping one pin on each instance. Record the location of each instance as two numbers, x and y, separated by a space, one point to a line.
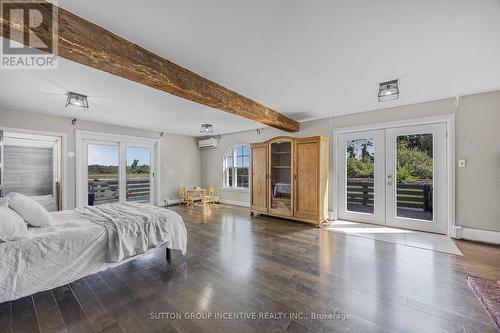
416 177
395 176
362 166
116 172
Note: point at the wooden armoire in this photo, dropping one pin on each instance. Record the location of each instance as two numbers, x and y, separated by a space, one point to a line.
289 178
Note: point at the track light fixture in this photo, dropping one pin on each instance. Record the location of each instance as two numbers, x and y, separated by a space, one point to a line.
76 101
388 91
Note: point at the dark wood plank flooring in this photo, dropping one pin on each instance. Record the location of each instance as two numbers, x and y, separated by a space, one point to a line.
262 266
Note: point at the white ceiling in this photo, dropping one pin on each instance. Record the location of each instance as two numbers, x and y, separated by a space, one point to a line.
306 59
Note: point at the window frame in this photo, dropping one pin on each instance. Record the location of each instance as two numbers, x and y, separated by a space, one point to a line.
225 169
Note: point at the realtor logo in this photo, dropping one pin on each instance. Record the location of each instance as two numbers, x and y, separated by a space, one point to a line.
29 31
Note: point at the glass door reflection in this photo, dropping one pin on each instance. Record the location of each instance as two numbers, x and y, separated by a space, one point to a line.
360 163
414 176
361 176
103 173
138 177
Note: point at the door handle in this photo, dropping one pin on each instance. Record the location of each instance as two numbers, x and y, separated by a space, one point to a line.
389 180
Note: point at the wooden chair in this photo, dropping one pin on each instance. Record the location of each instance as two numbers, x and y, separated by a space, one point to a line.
184 198
210 197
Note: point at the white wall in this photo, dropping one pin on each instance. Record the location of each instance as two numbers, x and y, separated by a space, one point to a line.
477 141
180 159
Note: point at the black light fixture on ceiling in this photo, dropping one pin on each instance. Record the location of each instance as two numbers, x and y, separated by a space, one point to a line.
388 91
77 101
206 128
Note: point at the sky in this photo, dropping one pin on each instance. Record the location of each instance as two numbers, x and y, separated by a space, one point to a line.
358 146
108 155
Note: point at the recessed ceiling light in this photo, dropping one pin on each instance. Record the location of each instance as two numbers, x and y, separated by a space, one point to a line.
206 128
388 91
77 101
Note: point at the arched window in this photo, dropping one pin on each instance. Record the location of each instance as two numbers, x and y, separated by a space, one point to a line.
236 167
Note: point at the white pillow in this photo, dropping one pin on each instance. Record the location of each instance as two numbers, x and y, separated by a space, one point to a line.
31 211
11 224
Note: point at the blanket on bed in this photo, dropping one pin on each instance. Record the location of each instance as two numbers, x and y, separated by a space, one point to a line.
131 228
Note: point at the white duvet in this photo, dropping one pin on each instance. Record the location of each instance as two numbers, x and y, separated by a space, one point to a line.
71 249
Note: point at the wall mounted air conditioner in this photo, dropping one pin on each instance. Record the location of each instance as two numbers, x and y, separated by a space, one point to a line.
207 143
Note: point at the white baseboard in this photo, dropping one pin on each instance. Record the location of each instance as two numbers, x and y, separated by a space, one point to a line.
235 203
169 202
478 235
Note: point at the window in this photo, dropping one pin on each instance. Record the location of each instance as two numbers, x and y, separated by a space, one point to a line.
236 167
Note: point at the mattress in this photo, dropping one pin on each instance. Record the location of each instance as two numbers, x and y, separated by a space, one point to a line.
73 248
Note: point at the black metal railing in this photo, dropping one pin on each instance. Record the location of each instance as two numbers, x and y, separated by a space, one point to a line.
107 191
414 196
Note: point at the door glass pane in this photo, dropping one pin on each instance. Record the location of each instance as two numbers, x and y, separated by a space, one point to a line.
102 177
138 174
360 160
281 175
414 165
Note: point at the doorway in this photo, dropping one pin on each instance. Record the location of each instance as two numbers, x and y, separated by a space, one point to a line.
31 164
114 168
395 176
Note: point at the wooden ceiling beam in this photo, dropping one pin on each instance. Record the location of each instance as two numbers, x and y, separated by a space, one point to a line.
89 44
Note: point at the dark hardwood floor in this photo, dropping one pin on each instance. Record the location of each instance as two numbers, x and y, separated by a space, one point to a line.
263 267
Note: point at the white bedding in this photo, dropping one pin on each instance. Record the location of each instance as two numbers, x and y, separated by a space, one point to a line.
71 249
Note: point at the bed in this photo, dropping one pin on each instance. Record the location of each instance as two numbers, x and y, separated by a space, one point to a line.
80 244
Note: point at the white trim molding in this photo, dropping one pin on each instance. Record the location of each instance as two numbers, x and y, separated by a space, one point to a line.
235 203
478 235
171 202
398 123
236 189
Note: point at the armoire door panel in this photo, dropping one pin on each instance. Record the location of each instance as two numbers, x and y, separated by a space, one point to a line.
306 179
259 178
280 176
